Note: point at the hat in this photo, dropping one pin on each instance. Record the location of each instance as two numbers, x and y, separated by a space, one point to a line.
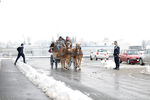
60 37
22 44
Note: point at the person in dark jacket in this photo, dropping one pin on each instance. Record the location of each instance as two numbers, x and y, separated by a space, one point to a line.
116 55
20 53
51 48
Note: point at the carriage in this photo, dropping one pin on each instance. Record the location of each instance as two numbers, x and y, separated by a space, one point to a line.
66 56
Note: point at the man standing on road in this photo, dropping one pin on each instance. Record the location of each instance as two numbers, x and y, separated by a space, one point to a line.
20 53
116 55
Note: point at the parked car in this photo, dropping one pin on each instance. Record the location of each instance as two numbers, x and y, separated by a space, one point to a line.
99 54
129 56
145 57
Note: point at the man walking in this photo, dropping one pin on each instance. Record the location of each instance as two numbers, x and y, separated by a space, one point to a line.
116 55
20 53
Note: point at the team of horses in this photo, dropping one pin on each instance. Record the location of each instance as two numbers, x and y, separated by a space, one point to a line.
68 54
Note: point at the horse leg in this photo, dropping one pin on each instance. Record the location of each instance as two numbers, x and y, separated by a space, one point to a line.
68 62
75 62
62 63
80 59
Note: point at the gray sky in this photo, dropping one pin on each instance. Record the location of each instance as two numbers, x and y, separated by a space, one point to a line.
91 20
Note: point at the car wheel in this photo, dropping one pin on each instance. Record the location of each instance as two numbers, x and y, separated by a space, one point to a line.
96 58
141 62
128 61
91 58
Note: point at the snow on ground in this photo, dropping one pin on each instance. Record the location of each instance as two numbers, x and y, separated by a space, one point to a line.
108 64
147 71
54 89
0 63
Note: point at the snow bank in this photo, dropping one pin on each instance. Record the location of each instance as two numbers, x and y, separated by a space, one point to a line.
0 63
108 64
147 69
52 88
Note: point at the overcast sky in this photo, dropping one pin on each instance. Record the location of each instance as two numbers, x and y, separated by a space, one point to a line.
91 20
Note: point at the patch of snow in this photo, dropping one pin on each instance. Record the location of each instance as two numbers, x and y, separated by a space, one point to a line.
0 64
51 87
43 71
108 64
147 69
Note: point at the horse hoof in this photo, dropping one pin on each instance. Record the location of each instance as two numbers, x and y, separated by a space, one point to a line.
66 68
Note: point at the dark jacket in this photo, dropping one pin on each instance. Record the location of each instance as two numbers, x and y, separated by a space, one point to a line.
116 51
20 50
52 45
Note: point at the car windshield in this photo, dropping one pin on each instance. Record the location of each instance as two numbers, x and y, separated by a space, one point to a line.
102 50
133 52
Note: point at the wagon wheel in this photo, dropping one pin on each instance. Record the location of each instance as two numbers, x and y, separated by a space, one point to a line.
56 63
52 61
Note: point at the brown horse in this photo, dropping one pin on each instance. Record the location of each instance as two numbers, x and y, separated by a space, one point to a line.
64 54
78 56
68 54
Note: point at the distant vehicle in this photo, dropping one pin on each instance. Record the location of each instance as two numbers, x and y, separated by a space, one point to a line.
99 54
139 48
145 58
129 56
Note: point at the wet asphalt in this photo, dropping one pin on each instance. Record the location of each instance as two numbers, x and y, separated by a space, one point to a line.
100 83
15 86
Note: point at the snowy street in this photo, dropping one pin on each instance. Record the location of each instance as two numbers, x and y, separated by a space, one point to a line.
98 82
74 50
15 86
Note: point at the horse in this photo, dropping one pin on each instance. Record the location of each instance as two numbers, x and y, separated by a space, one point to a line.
64 54
68 54
78 56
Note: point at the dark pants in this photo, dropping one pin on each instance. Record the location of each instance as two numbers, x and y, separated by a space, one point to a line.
116 58
19 57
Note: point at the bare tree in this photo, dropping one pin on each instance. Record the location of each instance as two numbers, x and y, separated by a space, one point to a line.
144 44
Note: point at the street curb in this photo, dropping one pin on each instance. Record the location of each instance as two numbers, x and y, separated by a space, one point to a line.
0 64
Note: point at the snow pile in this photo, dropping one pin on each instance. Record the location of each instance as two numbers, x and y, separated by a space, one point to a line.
0 63
147 69
108 64
52 88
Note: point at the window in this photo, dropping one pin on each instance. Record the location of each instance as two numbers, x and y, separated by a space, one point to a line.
122 51
145 52
101 50
133 52
148 51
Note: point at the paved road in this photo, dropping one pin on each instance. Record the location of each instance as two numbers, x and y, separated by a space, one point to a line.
100 83
15 86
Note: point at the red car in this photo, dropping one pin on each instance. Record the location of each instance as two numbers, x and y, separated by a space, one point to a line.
129 56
